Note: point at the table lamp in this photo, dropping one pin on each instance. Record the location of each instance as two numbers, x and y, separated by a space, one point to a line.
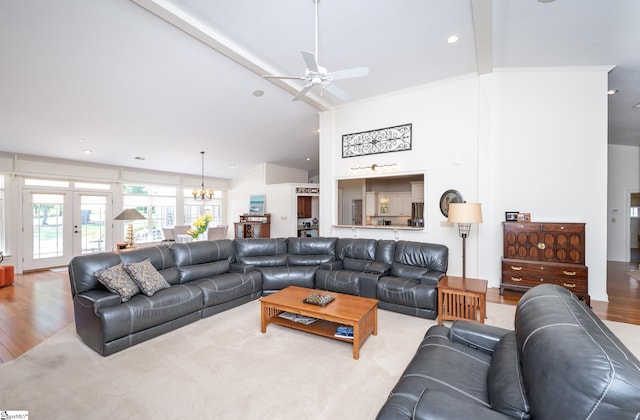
464 214
128 215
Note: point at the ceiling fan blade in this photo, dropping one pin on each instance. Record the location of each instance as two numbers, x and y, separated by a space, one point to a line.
350 73
337 92
269 76
303 92
310 61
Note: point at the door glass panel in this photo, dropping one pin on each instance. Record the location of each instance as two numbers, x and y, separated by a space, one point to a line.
48 225
93 224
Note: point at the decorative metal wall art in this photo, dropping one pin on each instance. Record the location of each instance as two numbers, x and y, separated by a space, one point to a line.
383 140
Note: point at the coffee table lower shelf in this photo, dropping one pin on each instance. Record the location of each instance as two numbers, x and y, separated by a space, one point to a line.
319 327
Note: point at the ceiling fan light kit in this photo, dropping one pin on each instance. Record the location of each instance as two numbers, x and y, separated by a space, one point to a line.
316 75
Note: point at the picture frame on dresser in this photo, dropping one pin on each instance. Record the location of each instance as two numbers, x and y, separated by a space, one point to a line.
524 217
511 216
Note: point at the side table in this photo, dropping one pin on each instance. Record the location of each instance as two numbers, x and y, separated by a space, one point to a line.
462 298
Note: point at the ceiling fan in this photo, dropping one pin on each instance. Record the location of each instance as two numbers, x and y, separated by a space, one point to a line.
316 75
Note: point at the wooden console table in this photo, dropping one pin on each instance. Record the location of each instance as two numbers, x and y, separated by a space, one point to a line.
462 298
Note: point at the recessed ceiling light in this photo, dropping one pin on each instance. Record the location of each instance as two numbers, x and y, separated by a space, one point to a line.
233 165
453 39
140 158
546 1
86 151
258 93
637 105
308 158
612 91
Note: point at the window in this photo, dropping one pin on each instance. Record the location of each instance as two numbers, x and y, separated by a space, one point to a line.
157 204
193 208
635 212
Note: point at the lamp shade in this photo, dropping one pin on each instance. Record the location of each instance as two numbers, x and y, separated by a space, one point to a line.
130 214
465 213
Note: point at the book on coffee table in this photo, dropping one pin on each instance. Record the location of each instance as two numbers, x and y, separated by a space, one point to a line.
344 331
306 320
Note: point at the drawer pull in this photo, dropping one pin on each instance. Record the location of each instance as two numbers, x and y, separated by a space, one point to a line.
569 273
569 285
541 245
516 279
516 268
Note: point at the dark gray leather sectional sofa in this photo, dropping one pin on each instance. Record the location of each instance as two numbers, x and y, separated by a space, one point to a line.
560 362
208 277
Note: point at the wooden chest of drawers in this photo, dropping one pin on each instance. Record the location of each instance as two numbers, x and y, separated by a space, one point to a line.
537 253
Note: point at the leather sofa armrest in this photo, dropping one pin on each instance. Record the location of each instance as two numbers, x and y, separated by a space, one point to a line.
368 284
241 268
377 267
436 405
431 278
478 336
97 299
331 265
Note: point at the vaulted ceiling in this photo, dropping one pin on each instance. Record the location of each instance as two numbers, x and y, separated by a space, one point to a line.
151 83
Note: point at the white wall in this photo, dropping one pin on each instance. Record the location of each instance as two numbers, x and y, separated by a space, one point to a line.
529 140
623 179
444 150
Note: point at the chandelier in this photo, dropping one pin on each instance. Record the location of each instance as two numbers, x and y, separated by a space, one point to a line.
202 194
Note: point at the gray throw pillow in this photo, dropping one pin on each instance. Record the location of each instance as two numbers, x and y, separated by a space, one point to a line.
117 280
146 277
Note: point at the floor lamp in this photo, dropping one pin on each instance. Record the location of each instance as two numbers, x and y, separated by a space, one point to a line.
464 214
128 215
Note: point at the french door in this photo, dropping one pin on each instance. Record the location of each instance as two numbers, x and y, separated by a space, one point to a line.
61 224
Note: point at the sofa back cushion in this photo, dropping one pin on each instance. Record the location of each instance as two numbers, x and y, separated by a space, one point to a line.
202 259
261 252
433 257
385 251
356 248
310 250
160 258
573 366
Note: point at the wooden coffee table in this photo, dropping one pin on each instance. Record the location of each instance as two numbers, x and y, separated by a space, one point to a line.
357 312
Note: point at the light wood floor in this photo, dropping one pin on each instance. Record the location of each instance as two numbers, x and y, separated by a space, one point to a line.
39 305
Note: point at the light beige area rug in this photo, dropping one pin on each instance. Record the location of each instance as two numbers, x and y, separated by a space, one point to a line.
223 367
635 274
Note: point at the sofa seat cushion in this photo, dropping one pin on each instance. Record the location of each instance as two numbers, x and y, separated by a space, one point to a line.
142 312
227 287
407 292
341 281
276 278
443 366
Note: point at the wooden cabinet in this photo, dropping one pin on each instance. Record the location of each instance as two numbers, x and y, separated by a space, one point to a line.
253 226
537 253
304 206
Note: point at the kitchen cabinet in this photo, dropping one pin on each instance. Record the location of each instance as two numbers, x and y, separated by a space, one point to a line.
370 203
304 206
417 191
394 204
